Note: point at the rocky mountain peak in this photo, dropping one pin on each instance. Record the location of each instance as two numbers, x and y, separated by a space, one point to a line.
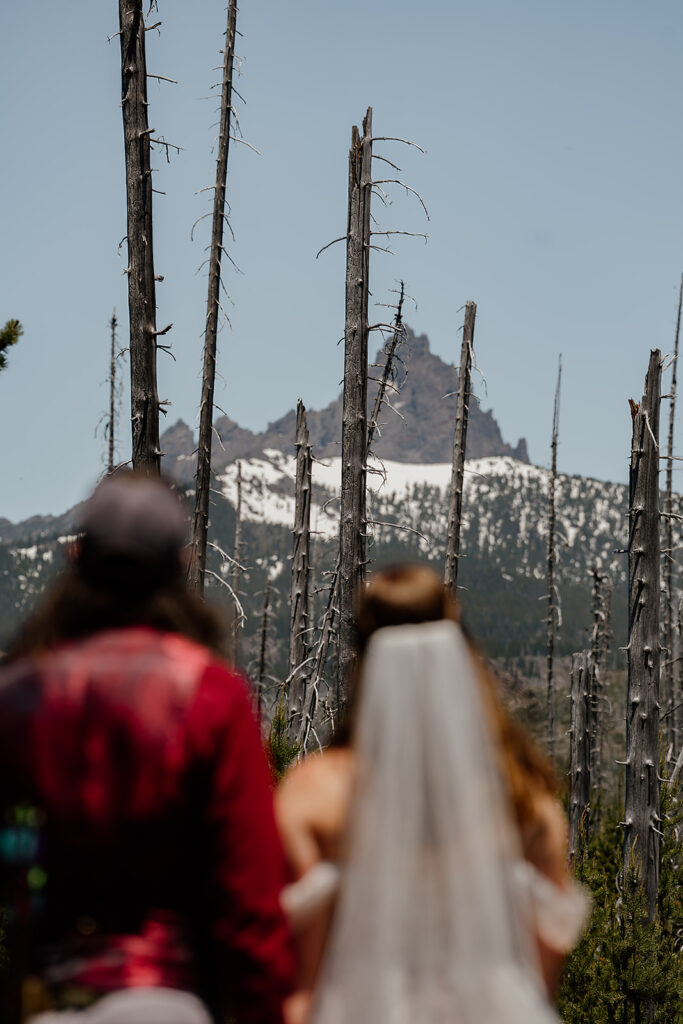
420 430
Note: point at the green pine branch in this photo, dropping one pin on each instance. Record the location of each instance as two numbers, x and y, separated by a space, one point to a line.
9 335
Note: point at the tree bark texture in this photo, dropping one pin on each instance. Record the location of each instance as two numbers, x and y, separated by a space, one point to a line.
602 593
331 609
298 623
263 648
144 398
678 677
642 821
354 410
552 612
200 525
112 395
311 698
388 373
459 446
668 674
237 567
579 751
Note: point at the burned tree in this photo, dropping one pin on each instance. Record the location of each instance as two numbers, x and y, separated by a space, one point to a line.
298 628
642 821
668 675
327 630
602 593
389 369
579 751
201 509
112 394
552 608
263 646
678 672
238 615
350 568
459 446
352 527
137 134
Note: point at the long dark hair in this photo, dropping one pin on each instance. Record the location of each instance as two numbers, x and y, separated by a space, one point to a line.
75 606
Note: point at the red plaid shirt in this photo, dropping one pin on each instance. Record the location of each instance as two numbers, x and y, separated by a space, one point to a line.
154 854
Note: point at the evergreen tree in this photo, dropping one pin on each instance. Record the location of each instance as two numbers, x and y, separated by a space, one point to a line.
281 750
9 335
626 970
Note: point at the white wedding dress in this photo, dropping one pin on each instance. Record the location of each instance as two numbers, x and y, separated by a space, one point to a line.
433 917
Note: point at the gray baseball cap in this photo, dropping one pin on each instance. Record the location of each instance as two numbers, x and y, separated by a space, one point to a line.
135 517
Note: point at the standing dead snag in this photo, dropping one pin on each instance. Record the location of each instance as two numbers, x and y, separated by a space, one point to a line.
144 398
550 643
298 628
398 334
602 594
112 394
261 674
459 445
319 660
579 751
237 568
678 676
200 523
668 675
352 527
642 821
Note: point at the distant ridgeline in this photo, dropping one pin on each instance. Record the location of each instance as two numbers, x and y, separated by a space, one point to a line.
504 538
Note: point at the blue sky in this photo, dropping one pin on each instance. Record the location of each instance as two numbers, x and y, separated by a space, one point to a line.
553 177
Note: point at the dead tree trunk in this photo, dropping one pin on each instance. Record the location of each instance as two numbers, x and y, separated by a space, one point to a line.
459 445
678 677
112 394
352 525
642 821
298 623
598 666
237 568
332 607
552 613
388 372
200 523
261 675
312 694
668 688
144 398
595 667
579 751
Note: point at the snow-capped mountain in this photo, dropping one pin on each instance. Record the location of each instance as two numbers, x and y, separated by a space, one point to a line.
504 536
504 507
504 540
419 430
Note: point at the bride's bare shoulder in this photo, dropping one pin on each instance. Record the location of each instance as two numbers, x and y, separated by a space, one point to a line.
319 769
311 805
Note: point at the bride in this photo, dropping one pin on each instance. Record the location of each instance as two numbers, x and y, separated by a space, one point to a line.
427 847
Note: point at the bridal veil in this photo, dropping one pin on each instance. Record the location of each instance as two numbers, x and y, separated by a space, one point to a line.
428 929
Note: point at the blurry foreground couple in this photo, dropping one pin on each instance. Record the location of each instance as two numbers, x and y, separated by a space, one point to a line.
141 872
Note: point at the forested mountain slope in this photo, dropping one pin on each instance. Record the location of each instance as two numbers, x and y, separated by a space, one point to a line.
503 549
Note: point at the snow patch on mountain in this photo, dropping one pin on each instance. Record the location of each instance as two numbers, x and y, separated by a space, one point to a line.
504 509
